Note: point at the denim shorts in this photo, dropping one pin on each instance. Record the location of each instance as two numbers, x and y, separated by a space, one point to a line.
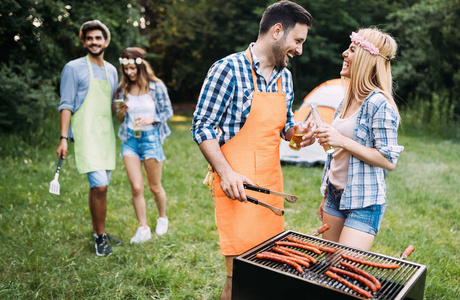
145 147
99 178
366 219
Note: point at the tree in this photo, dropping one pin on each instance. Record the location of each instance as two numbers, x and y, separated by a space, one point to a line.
428 68
37 38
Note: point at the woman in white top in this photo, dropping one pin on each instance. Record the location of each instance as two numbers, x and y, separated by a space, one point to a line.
144 112
365 132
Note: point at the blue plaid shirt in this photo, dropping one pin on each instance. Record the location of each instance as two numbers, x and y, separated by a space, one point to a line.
226 96
376 127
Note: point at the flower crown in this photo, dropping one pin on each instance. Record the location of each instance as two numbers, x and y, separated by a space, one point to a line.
366 45
128 61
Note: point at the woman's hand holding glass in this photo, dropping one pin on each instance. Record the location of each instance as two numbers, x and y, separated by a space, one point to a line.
329 136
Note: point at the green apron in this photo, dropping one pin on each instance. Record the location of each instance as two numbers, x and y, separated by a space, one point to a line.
92 128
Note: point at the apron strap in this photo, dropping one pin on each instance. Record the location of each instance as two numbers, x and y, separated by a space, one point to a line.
89 66
254 76
91 70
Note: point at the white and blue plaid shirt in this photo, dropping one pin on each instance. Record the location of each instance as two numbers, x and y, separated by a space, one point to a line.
226 96
376 127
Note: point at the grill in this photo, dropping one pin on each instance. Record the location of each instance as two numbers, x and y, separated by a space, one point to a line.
255 278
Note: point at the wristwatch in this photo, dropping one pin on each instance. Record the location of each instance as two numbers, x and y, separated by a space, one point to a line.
64 138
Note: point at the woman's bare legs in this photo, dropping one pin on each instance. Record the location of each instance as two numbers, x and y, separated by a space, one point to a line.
336 226
153 170
133 166
346 235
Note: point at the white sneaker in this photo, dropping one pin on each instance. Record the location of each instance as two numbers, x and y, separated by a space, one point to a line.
162 226
142 235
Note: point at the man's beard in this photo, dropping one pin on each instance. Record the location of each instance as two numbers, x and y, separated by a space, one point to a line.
279 54
96 54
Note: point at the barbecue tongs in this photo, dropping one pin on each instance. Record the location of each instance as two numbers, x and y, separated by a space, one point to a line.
289 198
277 211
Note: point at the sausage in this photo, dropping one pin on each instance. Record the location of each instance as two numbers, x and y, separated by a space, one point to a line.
281 259
323 248
322 229
370 263
361 278
355 288
297 259
407 252
302 246
360 271
301 254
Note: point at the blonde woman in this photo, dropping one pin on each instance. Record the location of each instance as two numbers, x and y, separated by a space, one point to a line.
146 107
365 131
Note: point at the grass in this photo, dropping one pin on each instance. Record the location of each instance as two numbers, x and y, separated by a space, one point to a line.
46 250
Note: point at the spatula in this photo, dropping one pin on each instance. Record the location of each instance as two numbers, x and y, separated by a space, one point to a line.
54 184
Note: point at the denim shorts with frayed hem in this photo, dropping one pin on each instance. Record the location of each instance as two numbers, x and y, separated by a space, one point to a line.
366 219
145 147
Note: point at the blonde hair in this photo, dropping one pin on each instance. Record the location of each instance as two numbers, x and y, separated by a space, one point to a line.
371 72
145 73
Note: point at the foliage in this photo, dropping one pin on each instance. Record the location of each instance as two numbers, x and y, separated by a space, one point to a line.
184 38
37 38
429 63
47 251
192 35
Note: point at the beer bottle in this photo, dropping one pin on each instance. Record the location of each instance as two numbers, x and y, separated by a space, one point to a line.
320 123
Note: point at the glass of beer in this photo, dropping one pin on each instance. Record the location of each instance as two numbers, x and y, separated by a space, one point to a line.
137 132
300 131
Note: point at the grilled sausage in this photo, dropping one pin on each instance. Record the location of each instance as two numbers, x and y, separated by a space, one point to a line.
322 248
281 259
360 271
302 246
370 263
301 254
297 259
355 288
407 252
361 278
322 229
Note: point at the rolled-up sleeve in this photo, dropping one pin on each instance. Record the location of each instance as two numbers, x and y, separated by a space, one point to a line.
68 88
290 115
385 130
217 89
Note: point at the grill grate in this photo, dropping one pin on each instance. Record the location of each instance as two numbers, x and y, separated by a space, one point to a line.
396 283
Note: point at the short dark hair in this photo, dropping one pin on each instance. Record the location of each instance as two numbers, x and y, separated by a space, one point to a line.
285 12
94 25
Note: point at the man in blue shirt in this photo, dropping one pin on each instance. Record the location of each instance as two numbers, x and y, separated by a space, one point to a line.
87 88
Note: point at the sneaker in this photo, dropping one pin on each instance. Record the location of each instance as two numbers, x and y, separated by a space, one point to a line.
142 235
113 240
102 245
162 226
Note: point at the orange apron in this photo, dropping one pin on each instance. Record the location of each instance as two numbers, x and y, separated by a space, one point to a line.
253 152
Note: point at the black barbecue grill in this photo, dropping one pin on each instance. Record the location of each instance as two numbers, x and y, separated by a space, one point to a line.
255 278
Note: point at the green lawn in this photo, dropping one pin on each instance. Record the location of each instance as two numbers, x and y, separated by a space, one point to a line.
46 250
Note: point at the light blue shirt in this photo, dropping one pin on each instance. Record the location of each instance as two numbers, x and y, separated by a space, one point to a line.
75 82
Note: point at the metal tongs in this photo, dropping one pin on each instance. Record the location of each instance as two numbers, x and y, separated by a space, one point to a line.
289 198
276 210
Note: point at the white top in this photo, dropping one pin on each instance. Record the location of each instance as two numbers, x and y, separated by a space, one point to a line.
338 173
140 106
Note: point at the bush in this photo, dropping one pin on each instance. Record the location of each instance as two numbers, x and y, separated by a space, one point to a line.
434 116
26 98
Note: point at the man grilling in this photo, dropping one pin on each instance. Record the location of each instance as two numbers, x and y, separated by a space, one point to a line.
242 111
